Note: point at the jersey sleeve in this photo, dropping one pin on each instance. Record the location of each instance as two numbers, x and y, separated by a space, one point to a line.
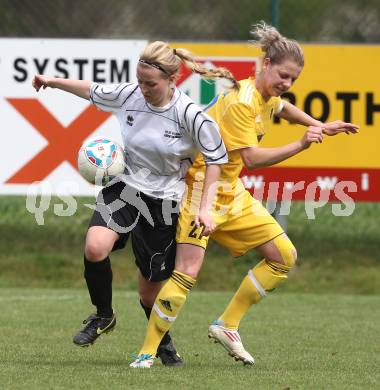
239 126
111 97
278 105
205 134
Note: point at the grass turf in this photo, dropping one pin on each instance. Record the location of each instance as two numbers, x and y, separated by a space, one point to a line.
300 341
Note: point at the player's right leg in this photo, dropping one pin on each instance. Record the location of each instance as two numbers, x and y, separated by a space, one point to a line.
98 274
103 237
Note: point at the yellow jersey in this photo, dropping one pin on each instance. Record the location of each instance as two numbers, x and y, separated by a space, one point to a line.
243 118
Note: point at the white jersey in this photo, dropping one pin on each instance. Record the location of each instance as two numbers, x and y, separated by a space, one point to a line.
160 143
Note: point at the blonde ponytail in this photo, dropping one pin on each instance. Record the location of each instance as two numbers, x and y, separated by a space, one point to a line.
161 56
275 46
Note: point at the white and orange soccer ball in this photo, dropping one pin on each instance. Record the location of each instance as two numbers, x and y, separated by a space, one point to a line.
100 160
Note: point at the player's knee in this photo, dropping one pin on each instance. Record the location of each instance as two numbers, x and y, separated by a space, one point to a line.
99 243
189 269
286 249
189 263
95 250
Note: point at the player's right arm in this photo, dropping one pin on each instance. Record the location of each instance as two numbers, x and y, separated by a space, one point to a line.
241 119
257 157
79 88
294 115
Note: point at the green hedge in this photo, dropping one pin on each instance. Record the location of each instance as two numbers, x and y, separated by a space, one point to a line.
335 254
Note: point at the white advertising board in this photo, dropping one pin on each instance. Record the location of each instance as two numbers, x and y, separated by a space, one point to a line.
38 128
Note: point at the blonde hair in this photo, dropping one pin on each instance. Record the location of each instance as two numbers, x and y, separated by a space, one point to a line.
275 46
161 56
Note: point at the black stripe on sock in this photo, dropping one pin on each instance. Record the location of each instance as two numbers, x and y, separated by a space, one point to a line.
182 281
277 268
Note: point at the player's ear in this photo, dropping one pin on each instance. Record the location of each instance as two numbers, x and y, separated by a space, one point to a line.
172 80
266 63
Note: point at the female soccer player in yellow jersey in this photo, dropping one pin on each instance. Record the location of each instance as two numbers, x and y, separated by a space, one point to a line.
241 222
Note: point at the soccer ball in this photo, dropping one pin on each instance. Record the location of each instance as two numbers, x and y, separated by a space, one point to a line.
100 160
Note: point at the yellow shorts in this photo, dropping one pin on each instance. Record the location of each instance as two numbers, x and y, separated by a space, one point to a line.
242 223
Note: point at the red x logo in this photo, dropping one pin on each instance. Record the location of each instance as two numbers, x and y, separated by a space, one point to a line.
64 142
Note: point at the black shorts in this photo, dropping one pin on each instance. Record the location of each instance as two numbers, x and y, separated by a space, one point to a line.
131 213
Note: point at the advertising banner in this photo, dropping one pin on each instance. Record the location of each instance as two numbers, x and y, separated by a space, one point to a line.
333 85
43 131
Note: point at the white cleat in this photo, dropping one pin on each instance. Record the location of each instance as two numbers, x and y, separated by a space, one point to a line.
231 342
143 361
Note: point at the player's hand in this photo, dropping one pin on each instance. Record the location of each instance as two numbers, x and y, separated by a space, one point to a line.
313 134
206 220
336 127
40 80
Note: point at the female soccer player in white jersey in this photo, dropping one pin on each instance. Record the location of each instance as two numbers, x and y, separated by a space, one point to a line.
243 116
163 131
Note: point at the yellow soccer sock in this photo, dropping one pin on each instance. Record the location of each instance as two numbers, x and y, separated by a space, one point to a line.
263 278
166 307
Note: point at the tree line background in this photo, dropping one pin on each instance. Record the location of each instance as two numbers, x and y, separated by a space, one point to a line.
355 21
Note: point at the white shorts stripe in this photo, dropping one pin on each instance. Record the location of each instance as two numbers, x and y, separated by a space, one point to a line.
257 284
162 315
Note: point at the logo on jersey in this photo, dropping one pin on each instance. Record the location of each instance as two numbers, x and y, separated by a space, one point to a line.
172 134
130 120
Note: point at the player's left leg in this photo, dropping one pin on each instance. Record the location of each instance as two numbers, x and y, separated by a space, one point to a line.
251 227
280 256
191 246
148 292
155 251
170 300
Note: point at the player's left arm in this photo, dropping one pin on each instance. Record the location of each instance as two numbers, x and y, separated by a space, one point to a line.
208 194
294 115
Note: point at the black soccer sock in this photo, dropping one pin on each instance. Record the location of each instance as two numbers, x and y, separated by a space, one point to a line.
98 277
166 339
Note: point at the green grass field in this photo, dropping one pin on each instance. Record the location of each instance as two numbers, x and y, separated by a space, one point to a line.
300 341
318 331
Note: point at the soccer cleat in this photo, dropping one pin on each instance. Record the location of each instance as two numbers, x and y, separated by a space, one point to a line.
231 342
95 327
143 361
168 355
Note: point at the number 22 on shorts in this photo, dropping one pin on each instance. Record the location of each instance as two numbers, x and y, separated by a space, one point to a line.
196 232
